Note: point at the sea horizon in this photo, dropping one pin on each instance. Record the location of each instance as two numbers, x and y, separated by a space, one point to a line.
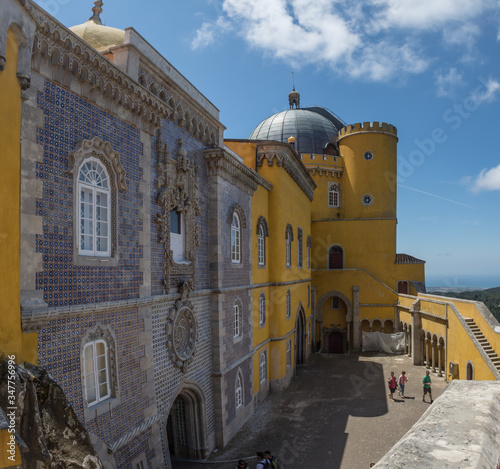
462 281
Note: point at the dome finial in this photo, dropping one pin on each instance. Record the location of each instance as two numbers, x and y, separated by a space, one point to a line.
294 96
97 11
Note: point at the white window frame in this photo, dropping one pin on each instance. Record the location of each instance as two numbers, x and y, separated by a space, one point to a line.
288 304
262 367
237 319
299 248
91 369
236 239
262 309
261 246
289 353
94 189
333 195
238 392
178 240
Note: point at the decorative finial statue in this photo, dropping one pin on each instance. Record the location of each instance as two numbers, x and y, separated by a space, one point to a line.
294 96
97 11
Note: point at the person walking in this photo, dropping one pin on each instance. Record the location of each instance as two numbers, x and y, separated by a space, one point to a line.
393 384
262 462
242 464
426 381
402 381
273 460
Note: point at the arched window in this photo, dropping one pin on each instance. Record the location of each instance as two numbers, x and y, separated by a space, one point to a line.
469 371
262 367
288 304
238 394
262 309
96 372
333 194
235 239
288 245
94 195
261 246
336 258
237 319
308 252
299 247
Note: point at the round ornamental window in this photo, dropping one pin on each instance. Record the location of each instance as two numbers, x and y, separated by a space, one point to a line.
184 334
367 199
368 155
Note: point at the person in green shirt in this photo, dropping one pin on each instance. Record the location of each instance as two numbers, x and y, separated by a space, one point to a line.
427 386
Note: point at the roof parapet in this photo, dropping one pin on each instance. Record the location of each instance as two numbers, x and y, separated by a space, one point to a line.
376 127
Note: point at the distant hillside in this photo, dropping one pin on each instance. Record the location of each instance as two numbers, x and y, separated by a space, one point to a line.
490 297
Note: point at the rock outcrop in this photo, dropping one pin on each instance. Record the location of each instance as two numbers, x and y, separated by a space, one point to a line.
48 432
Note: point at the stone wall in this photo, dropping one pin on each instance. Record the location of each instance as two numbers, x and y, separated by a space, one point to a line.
460 430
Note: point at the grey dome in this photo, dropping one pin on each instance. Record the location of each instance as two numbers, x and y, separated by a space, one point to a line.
312 128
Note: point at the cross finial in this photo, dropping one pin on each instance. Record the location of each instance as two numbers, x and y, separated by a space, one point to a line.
97 11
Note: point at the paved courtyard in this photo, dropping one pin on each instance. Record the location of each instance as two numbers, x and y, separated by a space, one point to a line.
336 414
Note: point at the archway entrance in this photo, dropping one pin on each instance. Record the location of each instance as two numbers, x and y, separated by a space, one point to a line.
176 429
186 425
300 339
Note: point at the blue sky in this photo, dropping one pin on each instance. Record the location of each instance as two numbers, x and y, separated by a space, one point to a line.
430 68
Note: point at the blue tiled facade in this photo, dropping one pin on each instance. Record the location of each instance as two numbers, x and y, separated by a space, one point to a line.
69 119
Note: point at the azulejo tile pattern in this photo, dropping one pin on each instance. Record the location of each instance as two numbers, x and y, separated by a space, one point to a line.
168 378
69 119
59 352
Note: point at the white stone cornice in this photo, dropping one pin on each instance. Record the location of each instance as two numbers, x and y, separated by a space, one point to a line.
221 162
288 159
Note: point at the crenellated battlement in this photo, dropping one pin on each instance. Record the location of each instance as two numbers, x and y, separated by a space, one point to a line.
379 127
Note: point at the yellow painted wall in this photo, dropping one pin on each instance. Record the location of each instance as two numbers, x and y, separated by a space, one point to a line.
12 341
284 204
460 348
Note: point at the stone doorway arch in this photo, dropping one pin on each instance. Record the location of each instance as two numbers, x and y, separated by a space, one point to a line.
186 425
352 334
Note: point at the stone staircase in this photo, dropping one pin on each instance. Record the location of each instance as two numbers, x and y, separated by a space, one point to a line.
488 349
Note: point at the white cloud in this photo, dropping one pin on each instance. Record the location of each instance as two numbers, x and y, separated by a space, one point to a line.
427 14
370 39
487 180
209 32
446 83
485 93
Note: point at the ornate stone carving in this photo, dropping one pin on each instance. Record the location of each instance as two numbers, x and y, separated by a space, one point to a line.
24 81
182 333
241 214
102 151
178 192
222 163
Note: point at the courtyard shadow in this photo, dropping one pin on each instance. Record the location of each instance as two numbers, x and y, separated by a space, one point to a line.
306 424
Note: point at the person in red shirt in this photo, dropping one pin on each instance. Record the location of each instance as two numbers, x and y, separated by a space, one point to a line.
393 384
402 381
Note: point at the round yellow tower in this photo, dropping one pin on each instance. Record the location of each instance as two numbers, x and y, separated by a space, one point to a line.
369 151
